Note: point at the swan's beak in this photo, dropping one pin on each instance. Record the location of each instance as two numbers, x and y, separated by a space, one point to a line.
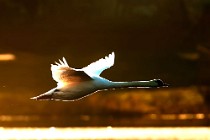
165 85
161 83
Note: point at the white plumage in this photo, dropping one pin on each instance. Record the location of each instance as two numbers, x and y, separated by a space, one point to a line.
96 68
74 83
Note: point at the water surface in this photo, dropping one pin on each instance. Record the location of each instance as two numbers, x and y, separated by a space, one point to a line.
129 133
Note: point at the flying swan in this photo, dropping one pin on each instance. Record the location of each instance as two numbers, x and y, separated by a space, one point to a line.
73 84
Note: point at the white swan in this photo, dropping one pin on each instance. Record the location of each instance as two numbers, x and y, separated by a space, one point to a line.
73 84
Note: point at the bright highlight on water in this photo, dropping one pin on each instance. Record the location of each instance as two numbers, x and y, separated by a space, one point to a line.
7 57
73 84
114 133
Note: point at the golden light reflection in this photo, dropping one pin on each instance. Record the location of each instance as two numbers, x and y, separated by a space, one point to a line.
9 118
179 116
200 116
118 133
7 57
168 117
186 116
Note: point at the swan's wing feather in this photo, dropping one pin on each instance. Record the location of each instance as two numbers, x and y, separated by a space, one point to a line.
65 75
96 68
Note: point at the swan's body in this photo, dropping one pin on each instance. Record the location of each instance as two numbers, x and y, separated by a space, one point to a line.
73 84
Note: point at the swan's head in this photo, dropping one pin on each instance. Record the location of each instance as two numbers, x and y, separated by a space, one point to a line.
160 83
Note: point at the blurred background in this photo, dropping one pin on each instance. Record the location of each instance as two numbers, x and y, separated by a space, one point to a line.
152 39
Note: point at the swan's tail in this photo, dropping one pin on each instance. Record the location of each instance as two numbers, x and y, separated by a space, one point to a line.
42 97
45 96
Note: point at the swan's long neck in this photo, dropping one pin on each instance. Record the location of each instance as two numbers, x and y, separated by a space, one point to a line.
137 84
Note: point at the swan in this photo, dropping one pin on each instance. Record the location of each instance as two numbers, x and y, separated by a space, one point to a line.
74 84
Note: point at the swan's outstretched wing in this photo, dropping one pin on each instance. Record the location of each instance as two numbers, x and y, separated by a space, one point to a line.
65 75
96 68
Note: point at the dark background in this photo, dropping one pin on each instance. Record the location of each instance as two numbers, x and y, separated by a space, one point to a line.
166 39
